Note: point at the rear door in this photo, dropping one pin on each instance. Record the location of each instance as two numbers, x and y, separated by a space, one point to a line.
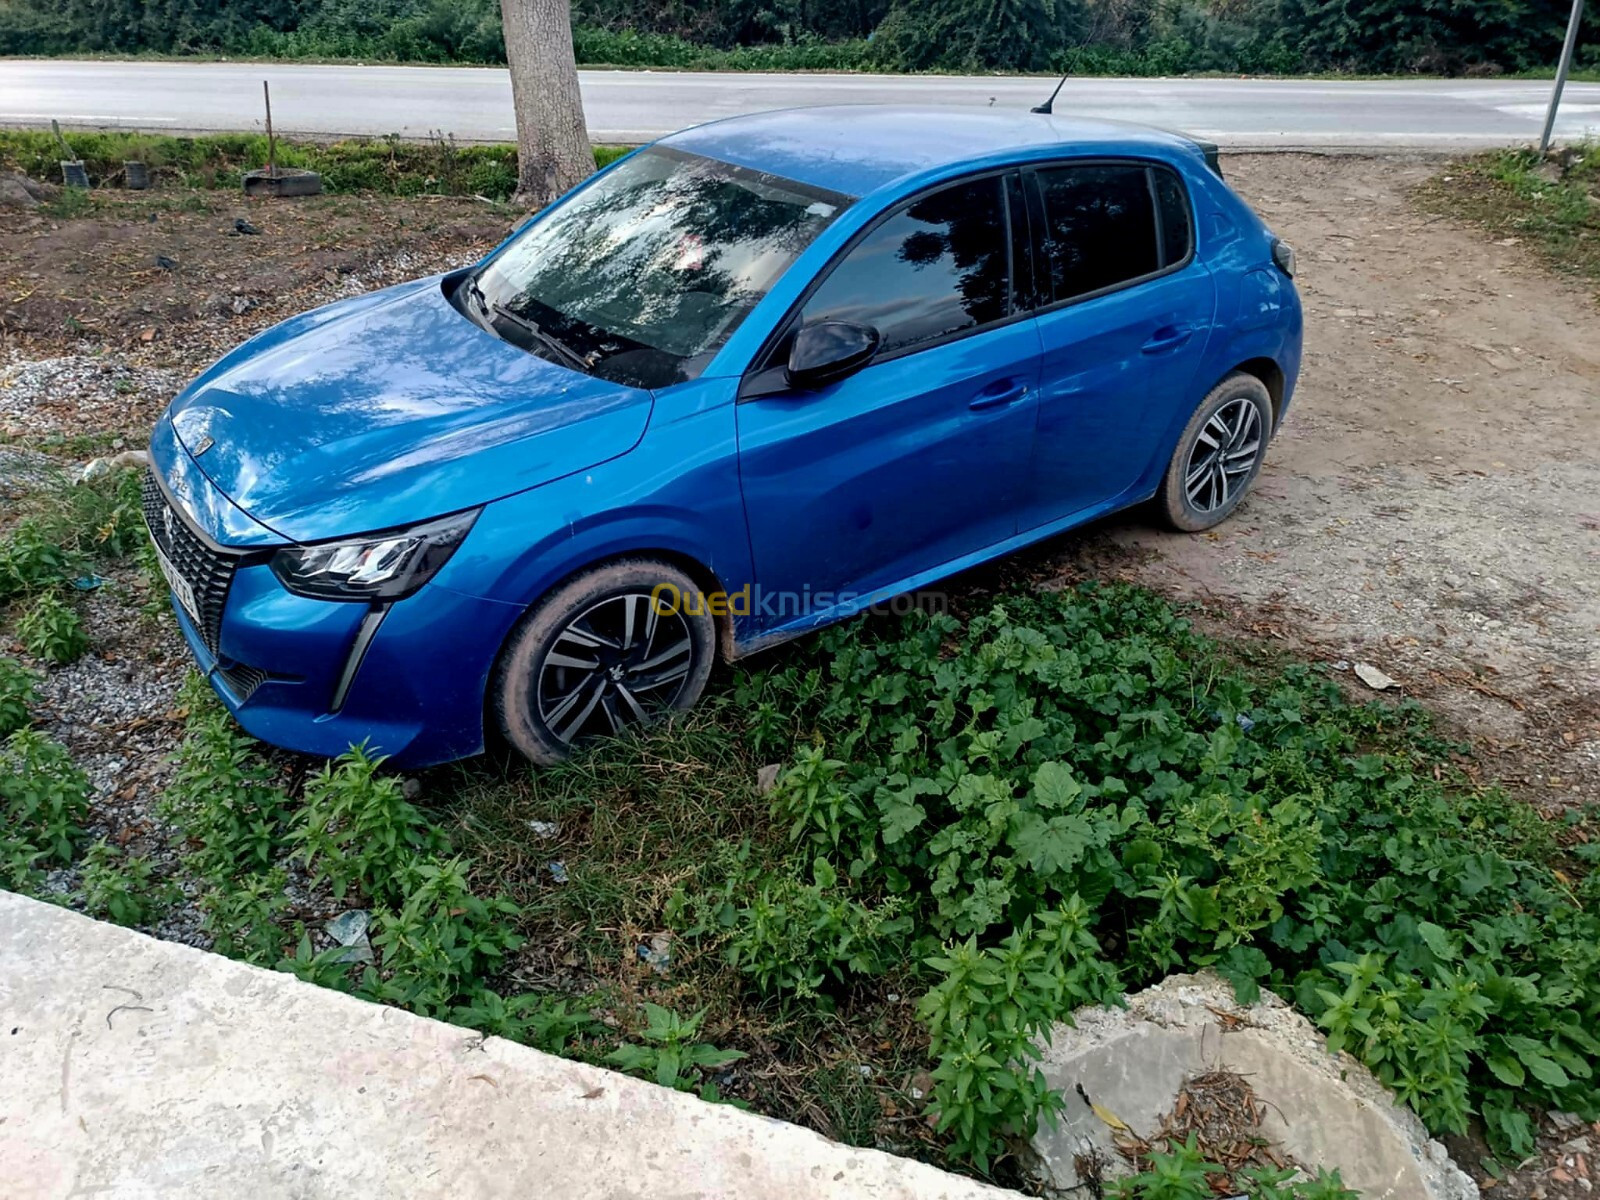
1128 312
922 456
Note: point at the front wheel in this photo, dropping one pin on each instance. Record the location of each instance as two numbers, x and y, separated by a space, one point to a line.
611 647
1218 455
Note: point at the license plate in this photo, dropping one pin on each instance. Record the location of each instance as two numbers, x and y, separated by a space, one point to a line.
179 585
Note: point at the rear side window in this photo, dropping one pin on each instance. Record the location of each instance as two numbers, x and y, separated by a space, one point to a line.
1177 234
1102 227
937 268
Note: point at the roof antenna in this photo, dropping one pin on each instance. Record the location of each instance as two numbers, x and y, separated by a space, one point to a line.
1048 106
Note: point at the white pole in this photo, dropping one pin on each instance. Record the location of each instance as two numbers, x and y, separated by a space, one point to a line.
1561 73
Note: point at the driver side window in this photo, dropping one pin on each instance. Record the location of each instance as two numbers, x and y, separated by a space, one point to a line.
936 268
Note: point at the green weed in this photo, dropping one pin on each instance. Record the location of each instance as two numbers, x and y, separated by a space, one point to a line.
671 1055
44 803
119 887
19 690
52 630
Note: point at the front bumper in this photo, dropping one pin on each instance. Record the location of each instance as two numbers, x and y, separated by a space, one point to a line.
406 679
413 692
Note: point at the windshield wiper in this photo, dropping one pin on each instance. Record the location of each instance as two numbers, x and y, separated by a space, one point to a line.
549 341
475 294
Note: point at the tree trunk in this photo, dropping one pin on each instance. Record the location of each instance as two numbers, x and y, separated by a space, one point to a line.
553 151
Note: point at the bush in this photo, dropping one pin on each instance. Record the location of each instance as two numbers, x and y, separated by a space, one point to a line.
18 692
118 887
437 167
51 630
44 802
1084 761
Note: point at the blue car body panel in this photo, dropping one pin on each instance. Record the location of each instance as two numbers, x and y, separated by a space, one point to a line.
392 408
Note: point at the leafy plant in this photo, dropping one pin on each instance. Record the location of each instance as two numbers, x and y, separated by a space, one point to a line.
1181 1172
224 797
987 1011
120 887
51 630
31 560
442 939
1086 753
541 1021
358 831
19 690
44 802
671 1055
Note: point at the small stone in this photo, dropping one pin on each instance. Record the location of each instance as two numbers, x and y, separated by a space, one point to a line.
1374 678
767 778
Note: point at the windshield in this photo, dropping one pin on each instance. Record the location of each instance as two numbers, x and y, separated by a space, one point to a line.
642 276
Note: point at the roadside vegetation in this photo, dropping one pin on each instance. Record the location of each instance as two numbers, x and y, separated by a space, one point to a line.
1087 37
855 886
391 166
1551 202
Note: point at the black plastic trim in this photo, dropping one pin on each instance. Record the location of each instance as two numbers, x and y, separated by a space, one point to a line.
365 632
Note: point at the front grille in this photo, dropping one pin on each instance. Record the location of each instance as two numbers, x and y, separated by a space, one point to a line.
242 681
206 568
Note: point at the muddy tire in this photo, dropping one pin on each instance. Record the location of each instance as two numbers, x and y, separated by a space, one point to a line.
1218 455
596 655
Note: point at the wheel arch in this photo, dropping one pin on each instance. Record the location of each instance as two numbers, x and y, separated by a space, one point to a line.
1271 374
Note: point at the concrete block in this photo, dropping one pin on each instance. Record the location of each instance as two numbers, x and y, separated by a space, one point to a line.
133 1068
1325 1110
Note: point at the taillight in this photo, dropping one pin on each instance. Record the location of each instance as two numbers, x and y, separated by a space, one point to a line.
1283 255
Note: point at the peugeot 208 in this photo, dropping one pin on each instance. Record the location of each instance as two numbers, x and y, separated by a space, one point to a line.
749 380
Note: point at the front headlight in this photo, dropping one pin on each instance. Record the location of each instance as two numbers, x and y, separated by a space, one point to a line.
378 566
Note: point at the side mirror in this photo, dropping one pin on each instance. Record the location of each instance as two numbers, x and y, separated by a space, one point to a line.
829 350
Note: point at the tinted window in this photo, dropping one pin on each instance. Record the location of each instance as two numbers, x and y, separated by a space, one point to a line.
936 268
1176 235
641 276
1100 227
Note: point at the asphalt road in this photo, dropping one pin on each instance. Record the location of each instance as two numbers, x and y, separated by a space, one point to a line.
474 104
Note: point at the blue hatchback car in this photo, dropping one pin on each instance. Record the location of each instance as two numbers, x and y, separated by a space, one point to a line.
749 380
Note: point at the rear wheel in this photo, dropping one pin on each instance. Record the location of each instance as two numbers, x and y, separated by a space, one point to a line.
1218 455
598 654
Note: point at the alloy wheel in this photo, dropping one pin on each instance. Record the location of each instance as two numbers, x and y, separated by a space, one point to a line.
1223 455
616 663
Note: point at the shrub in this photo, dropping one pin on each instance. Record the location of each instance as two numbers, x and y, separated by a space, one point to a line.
44 802
51 630
31 560
18 692
1086 753
119 887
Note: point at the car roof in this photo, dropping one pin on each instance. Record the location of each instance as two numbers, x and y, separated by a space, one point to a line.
858 148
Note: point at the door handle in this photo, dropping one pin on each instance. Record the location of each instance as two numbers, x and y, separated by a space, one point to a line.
997 395
1168 337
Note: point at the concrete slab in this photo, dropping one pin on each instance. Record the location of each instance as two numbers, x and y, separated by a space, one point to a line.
1325 1110
136 1068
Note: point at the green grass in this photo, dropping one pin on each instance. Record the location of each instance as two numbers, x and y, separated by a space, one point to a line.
386 165
1552 204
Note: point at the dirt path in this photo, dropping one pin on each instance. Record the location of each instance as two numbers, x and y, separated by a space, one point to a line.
1432 505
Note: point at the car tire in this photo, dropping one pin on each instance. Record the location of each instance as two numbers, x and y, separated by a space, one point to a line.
1218 454
595 655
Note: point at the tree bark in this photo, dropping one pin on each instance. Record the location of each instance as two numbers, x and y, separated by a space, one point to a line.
553 151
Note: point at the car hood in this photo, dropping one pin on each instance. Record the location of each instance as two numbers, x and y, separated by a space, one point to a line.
391 408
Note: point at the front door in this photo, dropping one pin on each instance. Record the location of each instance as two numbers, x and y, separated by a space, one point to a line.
919 458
